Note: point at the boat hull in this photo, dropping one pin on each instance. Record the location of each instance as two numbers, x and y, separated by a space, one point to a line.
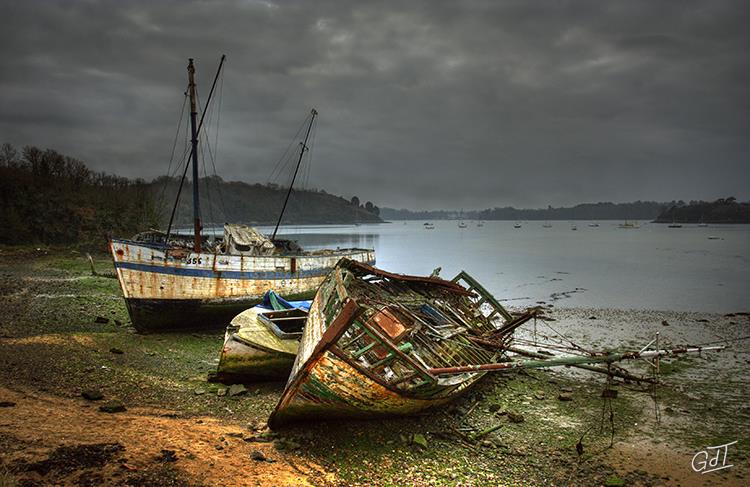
332 388
155 315
241 362
179 290
326 384
252 352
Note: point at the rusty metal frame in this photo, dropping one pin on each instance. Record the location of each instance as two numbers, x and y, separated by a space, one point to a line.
350 264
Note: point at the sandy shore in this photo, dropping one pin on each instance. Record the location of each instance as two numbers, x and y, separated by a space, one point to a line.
52 349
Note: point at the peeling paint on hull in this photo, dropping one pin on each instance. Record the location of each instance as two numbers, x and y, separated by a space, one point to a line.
328 382
201 290
241 362
252 352
153 315
334 389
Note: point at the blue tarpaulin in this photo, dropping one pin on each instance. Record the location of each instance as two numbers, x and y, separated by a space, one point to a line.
271 300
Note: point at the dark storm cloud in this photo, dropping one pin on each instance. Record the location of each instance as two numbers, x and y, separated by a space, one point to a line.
423 104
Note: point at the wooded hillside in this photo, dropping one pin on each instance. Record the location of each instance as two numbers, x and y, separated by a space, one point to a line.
47 197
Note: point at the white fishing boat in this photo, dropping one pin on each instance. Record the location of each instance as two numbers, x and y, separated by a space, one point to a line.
172 281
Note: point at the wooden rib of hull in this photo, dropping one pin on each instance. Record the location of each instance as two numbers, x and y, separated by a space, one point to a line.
333 388
323 386
200 290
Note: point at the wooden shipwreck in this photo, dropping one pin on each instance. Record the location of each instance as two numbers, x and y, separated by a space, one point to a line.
378 344
172 281
373 337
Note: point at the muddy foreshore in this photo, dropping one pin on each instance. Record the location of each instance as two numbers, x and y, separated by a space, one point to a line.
64 332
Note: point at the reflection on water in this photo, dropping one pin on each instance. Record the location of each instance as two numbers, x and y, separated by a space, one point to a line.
655 267
315 241
314 237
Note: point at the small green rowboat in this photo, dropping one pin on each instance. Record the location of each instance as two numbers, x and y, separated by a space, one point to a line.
262 342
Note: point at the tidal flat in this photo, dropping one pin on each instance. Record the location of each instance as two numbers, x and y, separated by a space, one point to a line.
64 333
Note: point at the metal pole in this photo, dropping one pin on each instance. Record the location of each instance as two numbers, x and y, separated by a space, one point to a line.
568 361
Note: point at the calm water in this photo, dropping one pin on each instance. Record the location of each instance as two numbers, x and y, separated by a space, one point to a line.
652 267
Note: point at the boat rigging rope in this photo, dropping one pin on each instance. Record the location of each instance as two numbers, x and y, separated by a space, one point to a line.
184 174
217 180
311 151
205 140
565 338
207 189
212 158
307 163
218 119
286 156
549 346
160 201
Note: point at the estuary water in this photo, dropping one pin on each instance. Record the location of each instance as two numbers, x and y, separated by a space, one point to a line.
652 267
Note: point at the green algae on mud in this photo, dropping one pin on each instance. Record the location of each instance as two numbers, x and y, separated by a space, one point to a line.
52 342
540 448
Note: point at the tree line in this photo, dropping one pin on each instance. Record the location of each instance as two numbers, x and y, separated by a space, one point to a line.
47 197
50 198
722 210
638 210
258 204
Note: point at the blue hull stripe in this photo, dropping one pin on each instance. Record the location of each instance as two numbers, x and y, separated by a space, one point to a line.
252 275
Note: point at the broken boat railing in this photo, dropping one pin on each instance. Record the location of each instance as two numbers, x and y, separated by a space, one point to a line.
607 358
485 296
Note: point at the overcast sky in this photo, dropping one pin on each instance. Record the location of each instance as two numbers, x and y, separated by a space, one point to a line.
422 105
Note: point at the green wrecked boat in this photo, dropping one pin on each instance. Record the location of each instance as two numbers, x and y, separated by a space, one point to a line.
372 338
261 342
378 344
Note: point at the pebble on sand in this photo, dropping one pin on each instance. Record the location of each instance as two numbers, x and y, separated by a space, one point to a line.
112 407
258 456
237 390
515 417
92 395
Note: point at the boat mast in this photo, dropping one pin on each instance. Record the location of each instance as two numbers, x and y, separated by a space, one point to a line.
299 161
194 151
